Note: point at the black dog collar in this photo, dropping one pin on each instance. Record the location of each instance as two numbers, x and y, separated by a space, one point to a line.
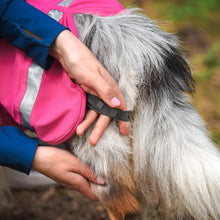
95 103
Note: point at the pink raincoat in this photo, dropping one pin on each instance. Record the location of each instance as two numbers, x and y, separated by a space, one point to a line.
47 102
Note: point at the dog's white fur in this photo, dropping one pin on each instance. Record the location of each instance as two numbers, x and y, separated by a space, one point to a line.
168 156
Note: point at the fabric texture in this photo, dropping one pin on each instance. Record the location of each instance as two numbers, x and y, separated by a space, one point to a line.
4 6
47 102
18 15
69 7
20 157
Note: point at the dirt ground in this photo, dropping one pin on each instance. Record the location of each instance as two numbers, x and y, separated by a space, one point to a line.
54 203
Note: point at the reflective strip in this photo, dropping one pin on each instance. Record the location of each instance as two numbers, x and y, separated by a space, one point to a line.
55 14
35 73
65 3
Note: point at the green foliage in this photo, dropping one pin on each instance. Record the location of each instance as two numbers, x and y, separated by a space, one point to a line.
192 9
203 15
211 59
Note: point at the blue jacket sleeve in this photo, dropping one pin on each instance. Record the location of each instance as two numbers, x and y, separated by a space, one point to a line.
16 149
17 15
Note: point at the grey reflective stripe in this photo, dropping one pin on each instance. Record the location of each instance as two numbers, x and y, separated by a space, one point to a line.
55 14
35 73
65 3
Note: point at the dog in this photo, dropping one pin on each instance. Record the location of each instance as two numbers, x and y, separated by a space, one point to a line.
167 163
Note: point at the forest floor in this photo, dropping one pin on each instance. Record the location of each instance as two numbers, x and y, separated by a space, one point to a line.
54 203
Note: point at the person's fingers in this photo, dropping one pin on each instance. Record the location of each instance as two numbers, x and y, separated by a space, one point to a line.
89 90
123 127
105 92
108 90
101 124
80 184
104 86
84 170
89 119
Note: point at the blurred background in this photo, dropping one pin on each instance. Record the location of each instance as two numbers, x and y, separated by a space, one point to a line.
197 24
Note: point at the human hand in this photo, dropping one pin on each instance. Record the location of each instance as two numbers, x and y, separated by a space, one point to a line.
66 169
82 66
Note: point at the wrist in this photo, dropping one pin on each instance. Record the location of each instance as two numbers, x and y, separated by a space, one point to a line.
64 45
57 46
42 159
61 44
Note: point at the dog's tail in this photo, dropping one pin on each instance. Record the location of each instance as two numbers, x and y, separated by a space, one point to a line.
176 164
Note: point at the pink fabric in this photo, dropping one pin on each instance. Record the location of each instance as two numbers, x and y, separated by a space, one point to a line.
98 7
60 104
14 66
6 119
59 107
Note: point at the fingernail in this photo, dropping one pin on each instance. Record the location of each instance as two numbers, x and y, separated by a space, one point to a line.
100 180
115 102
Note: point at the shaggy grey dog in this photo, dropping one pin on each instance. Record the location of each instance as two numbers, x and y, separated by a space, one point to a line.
167 163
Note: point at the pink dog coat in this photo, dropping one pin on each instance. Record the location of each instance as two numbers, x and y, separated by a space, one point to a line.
47 102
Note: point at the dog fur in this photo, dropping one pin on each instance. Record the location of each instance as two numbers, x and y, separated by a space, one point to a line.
167 163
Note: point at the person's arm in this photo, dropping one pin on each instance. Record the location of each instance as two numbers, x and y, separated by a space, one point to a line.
20 152
29 29
66 169
17 150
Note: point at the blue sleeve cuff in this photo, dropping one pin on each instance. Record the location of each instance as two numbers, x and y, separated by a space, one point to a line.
20 15
4 6
16 149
